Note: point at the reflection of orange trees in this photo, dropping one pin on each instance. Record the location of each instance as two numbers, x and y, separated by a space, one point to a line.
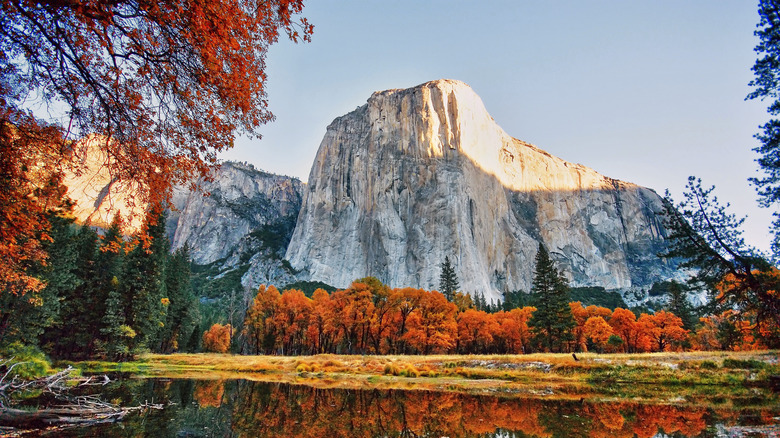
650 419
208 393
299 411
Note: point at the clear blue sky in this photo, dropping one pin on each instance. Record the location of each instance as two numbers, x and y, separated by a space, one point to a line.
643 91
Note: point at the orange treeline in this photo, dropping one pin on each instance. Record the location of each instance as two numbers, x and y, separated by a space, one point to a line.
371 318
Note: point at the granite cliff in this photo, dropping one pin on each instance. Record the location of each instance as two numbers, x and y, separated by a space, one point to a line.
240 221
418 174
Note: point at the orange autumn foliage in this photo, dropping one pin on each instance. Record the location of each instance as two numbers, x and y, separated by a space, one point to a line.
209 393
476 330
299 411
597 331
513 334
664 329
432 329
623 323
217 338
371 318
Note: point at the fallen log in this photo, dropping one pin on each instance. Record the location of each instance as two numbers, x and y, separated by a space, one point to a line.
76 410
71 415
22 419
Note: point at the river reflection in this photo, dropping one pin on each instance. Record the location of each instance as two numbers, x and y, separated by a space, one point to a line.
240 408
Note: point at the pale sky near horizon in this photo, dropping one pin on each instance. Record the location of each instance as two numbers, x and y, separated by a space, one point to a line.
647 92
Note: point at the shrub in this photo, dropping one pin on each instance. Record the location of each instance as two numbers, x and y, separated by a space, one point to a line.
750 364
304 367
409 371
32 363
708 365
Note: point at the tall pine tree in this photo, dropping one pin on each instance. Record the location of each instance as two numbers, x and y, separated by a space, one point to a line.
448 280
34 318
552 322
142 286
80 309
679 304
182 317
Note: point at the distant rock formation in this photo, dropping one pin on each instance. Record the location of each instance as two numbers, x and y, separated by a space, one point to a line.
241 220
419 174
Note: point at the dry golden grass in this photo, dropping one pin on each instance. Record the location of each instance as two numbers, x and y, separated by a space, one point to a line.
667 368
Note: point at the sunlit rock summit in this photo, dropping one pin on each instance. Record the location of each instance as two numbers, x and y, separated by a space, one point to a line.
418 174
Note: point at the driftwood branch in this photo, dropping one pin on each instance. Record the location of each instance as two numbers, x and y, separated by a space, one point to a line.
75 410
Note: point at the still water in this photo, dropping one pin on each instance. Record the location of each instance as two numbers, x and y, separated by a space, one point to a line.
241 408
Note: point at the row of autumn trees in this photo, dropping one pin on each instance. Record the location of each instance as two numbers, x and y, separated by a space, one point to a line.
372 318
106 296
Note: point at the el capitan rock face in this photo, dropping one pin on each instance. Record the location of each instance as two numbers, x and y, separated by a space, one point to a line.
419 174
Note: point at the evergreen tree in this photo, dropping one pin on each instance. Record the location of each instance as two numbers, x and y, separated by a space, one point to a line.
182 317
448 280
118 335
708 239
81 311
513 300
679 305
552 322
114 331
767 85
142 286
479 301
31 318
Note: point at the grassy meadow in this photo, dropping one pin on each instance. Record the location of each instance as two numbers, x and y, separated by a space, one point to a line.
690 376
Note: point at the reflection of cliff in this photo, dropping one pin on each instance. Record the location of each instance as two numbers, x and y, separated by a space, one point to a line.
298 411
419 174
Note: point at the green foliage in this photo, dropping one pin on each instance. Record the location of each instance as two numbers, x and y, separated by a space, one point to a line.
766 84
211 282
552 322
615 341
100 301
515 299
448 280
748 364
27 318
182 315
143 285
708 365
680 306
32 363
597 296
275 236
308 287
